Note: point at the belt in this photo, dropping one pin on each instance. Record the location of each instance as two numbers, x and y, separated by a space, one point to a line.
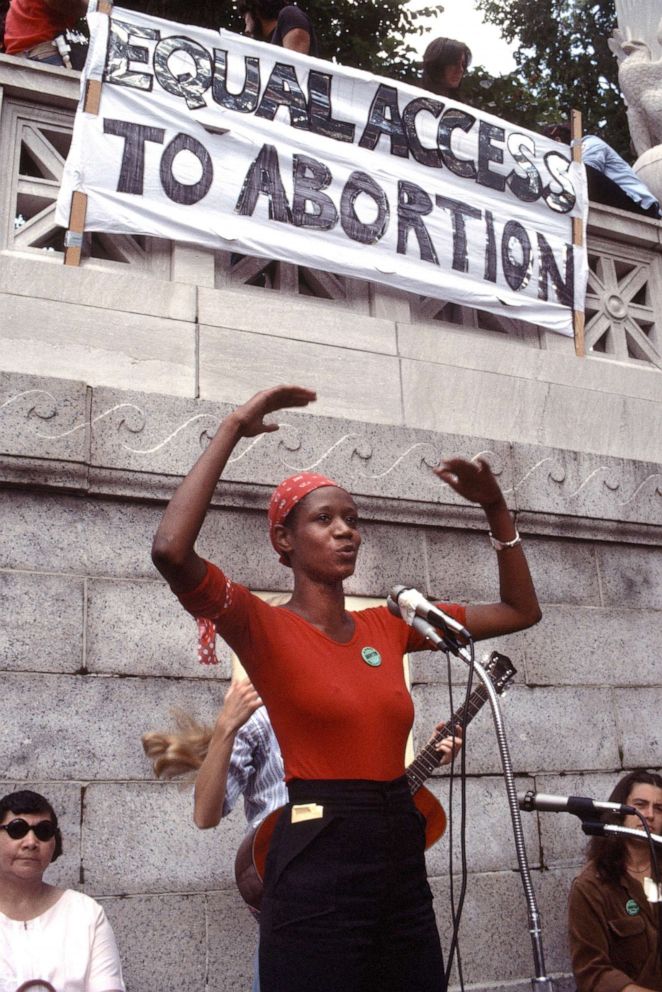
365 793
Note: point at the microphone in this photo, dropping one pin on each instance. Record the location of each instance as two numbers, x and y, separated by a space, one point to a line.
422 626
411 602
578 805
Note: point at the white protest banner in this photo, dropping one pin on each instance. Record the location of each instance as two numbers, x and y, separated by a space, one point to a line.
218 140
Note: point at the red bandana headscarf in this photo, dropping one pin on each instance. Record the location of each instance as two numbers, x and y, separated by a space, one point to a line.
286 496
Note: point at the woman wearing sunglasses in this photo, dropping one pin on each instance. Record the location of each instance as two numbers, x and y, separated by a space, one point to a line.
347 906
49 937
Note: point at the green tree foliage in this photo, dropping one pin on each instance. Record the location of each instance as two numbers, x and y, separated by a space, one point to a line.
506 97
563 62
365 34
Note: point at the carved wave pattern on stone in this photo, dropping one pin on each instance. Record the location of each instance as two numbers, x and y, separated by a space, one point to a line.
353 446
32 403
30 410
600 479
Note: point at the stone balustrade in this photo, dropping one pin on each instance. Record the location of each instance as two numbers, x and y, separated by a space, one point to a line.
624 299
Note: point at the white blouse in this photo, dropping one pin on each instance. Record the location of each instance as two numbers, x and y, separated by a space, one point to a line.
71 945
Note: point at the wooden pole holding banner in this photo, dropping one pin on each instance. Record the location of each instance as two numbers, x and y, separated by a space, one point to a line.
577 228
73 238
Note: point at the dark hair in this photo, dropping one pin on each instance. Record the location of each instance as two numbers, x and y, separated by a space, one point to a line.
267 9
559 132
608 853
26 801
440 53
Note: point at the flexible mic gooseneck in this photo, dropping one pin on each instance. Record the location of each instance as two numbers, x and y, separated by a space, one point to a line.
577 805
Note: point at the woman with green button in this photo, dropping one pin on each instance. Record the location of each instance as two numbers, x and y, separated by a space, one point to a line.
613 925
347 906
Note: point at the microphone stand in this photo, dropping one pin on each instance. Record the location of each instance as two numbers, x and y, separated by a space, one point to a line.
597 829
541 981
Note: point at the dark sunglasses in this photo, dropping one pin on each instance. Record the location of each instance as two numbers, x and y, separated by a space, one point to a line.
17 829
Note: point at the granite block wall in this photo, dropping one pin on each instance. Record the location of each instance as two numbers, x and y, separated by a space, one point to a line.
94 651
173 331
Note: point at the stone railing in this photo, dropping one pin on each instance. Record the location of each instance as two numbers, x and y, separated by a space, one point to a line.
623 304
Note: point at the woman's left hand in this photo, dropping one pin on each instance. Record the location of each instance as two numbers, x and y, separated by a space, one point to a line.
471 479
518 607
448 746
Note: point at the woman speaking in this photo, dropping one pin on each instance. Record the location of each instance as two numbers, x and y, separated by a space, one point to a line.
347 906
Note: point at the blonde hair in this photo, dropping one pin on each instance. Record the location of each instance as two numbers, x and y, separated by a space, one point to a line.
179 752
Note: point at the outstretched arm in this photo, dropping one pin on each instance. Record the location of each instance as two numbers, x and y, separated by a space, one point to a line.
518 607
240 703
173 549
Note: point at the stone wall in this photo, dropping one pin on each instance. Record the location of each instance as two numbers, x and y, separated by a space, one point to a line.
126 330
94 651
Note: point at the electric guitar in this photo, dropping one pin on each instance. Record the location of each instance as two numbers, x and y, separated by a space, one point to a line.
251 859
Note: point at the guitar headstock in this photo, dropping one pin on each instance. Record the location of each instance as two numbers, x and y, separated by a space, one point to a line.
500 669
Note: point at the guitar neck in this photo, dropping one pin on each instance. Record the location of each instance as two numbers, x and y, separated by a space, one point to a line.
429 758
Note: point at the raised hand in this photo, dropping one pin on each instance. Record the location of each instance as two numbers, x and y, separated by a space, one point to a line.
472 480
173 550
241 701
250 415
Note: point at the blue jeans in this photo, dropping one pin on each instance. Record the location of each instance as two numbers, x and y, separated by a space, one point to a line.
347 906
53 59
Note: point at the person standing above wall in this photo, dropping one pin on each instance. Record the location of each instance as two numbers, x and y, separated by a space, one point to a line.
32 27
279 23
610 179
445 62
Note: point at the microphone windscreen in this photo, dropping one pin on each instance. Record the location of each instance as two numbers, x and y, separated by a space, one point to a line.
392 606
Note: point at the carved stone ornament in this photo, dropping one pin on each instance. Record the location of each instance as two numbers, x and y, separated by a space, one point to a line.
640 78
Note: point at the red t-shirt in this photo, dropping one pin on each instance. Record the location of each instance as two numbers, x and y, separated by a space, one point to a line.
30 22
339 711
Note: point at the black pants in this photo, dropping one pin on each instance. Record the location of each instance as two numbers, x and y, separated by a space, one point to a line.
602 189
347 906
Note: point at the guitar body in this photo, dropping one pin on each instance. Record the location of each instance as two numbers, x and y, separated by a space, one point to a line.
251 861
262 841
434 813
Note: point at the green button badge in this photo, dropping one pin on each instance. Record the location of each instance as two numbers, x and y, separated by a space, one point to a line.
632 908
372 657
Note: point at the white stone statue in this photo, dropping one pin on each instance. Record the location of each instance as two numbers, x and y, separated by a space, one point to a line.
640 78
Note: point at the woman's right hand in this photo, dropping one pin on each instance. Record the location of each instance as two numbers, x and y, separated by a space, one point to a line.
241 701
173 548
250 415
